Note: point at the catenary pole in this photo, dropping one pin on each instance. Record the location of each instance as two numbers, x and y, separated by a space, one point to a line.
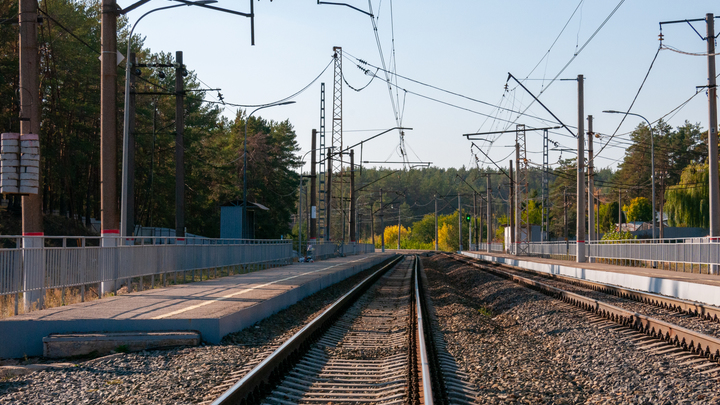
32 226
313 188
109 220
460 246
590 177
179 147
436 223
713 136
580 226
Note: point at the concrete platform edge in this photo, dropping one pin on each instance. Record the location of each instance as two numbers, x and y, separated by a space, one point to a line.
703 293
19 338
243 319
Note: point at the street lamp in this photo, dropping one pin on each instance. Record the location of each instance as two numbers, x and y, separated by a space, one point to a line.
244 210
652 161
300 220
126 113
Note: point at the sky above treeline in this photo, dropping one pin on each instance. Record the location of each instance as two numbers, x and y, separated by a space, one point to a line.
448 64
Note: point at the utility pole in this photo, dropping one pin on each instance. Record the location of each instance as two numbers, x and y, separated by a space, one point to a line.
179 147
712 137
32 226
459 224
512 209
130 194
517 200
474 221
382 223
591 175
328 194
313 189
436 223
352 195
619 210
110 222
565 207
580 234
489 213
398 242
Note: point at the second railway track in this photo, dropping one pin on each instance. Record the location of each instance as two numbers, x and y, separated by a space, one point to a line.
375 345
687 325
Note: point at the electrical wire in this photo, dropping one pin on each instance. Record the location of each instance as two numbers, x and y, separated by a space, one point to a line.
634 99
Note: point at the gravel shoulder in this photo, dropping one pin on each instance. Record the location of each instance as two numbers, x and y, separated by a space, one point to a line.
179 376
520 346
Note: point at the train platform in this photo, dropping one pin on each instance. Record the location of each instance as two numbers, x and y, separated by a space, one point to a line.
704 288
214 308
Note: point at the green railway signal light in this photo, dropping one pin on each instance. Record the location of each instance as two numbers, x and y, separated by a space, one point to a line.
467 218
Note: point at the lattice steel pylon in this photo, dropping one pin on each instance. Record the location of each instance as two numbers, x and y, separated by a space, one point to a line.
322 222
524 236
338 178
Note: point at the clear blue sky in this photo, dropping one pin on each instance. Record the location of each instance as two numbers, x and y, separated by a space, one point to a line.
465 46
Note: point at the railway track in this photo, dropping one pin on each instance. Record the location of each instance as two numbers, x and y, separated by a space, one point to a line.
376 344
682 326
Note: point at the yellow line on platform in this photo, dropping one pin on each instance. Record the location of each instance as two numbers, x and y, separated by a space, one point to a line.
190 308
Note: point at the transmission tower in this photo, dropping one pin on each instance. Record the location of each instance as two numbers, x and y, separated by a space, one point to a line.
337 140
322 223
523 238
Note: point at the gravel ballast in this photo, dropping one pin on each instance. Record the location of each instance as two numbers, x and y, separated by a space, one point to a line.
520 346
171 376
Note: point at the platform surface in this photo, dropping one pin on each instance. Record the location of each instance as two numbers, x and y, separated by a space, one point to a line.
703 288
214 308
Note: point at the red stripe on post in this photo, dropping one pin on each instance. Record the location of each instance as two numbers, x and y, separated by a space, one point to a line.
33 234
581 241
112 231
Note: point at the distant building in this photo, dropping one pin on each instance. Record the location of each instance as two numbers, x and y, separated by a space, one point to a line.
231 220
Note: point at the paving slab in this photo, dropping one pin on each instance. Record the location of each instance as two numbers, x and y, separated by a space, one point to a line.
704 288
214 308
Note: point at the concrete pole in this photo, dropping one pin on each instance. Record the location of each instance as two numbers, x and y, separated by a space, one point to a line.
436 223
130 193
328 195
352 196
32 226
300 221
398 241
179 147
460 246
109 219
619 210
713 136
591 176
512 210
474 222
517 200
313 188
489 214
565 207
382 223
580 229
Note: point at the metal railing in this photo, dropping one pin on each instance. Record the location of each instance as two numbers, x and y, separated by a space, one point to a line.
326 249
688 254
59 262
702 251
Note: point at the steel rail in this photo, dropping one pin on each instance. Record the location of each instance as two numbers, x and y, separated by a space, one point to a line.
695 342
693 308
425 372
270 371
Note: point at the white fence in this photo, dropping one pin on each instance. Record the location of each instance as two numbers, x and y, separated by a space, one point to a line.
694 250
699 253
323 249
75 261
